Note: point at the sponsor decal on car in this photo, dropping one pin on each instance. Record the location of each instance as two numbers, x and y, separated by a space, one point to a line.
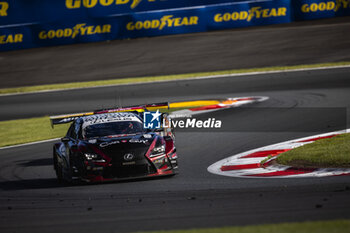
147 136
129 157
134 140
110 117
105 144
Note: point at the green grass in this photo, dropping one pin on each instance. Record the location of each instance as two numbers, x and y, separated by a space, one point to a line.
74 85
334 226
265 160
29 130
330 152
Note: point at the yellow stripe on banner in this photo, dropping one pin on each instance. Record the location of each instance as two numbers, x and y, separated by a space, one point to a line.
193 103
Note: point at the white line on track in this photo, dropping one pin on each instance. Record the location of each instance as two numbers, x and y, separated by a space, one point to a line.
28 144
185 79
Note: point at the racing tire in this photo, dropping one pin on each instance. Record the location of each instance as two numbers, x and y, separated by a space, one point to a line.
58 169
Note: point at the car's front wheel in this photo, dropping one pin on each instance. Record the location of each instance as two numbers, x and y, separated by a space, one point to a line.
58 169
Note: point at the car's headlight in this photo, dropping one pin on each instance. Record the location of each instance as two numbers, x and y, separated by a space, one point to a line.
158 151
94 157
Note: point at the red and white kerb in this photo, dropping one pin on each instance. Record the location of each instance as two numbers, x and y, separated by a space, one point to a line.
248 164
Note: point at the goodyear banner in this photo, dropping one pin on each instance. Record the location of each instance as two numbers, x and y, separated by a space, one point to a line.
249 14
213 17
163 23
37 35
37 23
316 9
29 11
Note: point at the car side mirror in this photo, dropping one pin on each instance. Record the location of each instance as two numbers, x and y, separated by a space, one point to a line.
65 140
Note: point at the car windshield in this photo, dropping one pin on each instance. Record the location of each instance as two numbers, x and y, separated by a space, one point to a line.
113 128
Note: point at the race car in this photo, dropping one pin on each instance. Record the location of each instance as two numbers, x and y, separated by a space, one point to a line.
113 145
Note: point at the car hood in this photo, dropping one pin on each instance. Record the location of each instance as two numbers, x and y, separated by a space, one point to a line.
119 146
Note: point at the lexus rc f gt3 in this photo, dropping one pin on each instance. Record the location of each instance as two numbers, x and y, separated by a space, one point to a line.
112 146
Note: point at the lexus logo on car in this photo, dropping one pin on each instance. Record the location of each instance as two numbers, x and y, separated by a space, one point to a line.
129 157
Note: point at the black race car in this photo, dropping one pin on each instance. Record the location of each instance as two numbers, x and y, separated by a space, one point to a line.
112 145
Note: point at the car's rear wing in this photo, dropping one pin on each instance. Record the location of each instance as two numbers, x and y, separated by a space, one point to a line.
66 118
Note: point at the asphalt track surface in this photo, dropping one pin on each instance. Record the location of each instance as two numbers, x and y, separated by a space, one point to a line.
277 45
31 200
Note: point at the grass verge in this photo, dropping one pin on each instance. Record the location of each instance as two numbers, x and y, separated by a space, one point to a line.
334 226
331 152
29 130
112 82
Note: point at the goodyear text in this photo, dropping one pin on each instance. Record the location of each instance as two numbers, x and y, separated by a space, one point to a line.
4 6
325 6
166 21
77 30
74 4
11 38
255 12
